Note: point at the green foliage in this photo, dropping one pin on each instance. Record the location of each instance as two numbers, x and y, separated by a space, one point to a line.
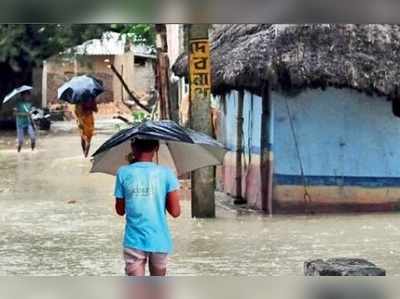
119 127
139 116
138 33
27 45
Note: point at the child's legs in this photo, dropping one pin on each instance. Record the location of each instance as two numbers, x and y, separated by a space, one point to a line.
32 135
135 262
20 136
158 264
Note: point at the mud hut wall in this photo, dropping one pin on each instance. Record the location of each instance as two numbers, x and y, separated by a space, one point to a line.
144 76
125 66
99 69
347 145
60 70
228 107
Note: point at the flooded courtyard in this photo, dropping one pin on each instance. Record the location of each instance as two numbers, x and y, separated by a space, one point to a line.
58 219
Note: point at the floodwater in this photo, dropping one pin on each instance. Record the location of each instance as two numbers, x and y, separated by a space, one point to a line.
57 219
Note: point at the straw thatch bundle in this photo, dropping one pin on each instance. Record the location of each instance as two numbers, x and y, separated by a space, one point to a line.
294 57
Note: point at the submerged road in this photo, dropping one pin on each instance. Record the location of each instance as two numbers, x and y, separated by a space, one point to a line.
57 219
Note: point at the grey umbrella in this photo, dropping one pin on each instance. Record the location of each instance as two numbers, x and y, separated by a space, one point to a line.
15 92
182 149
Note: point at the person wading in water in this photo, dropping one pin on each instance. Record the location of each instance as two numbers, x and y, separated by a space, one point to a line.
24 120
85 118
144 192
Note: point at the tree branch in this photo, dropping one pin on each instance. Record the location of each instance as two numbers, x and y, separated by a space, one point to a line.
133 97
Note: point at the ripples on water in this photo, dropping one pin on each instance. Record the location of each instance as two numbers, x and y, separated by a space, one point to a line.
57 219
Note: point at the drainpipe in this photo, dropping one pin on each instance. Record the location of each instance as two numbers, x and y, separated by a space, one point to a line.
266 155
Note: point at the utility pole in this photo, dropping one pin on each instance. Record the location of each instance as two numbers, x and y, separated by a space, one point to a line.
162 71
203 180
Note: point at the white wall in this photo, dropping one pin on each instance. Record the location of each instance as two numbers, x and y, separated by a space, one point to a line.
174 41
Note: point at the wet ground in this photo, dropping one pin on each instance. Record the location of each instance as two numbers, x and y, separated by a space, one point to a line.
57 219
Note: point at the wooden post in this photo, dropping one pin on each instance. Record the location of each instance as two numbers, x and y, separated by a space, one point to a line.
162 71
203 180
239 149
174 100
44 84
266 158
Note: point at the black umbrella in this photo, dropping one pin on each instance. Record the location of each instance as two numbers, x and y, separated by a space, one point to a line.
80 89
181 148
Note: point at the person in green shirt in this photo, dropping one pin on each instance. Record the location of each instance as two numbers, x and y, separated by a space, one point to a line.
24 120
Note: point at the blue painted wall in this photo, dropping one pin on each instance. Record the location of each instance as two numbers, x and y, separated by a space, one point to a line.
231 101
340 133
228 108
251 120
252 123
344 138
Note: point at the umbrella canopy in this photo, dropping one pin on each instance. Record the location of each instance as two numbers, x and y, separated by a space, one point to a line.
15 92
80 89
182 149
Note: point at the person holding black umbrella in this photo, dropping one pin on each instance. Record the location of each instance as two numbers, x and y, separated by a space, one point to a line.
144 191
82 91
146 159
85 118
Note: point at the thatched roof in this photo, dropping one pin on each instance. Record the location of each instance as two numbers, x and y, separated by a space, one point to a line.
293 57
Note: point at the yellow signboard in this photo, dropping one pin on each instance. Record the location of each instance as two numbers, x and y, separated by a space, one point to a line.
199 68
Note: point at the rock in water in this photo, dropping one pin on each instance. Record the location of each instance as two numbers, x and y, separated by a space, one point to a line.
342 267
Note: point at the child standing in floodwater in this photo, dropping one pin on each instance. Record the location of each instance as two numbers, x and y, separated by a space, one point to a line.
144 191
24 120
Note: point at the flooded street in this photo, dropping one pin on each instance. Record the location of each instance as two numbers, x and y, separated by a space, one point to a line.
57 219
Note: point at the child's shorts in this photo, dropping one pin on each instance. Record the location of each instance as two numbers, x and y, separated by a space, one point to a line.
135 260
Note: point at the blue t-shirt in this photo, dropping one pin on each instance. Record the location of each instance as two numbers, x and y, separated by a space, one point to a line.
144 186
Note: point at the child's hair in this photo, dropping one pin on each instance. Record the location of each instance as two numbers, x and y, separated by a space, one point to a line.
145 145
